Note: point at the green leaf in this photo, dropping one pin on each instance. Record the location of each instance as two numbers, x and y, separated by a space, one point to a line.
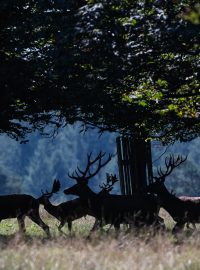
142 103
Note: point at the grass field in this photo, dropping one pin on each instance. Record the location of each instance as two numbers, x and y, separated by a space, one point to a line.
101 251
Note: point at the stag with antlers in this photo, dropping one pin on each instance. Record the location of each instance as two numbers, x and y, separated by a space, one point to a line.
182 211
65 212
112 209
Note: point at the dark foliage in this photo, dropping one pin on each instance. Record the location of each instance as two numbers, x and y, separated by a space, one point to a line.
124 66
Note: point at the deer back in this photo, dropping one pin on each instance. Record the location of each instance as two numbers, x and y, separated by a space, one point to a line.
15 204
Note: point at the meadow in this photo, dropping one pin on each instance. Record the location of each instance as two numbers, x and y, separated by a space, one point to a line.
105 251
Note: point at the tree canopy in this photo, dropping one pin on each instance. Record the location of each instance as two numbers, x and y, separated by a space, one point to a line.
126 66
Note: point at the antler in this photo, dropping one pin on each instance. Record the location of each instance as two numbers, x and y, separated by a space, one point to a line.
55 188
170 163
110 181
80 175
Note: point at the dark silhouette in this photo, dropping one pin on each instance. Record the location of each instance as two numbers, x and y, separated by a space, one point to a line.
65 212
19 206
137 210
193 199
69 211
106 188
182 211
188 198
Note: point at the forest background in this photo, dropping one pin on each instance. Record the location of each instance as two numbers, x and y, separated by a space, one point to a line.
28 168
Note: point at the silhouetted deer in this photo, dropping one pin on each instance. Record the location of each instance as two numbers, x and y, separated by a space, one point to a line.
112 209
188 198
19 206
65 212
182 211
192 199
106 188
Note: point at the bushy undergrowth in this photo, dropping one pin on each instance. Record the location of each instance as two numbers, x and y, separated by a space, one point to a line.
105 251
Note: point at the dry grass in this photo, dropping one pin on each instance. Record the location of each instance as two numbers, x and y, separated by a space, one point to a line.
101 251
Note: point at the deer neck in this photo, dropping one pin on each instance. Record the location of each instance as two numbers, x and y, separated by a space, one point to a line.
163 193
87 193
168 201
89 199
49 207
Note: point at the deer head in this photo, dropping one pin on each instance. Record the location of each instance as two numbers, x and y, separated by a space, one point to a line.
170 163
82 177
108 186
47 195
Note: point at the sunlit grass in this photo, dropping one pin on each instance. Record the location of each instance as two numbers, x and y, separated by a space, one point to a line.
100 251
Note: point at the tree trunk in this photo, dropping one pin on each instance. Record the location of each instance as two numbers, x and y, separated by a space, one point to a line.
135 164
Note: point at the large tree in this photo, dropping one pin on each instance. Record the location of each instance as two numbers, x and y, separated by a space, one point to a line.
124 66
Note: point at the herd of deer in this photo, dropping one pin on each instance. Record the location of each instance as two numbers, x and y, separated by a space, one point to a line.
137 210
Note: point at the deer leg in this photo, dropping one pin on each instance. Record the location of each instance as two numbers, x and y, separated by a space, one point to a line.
159 223
21 223
109 227
188 225
116 226
62 223
193 225
178 227
35 217
69 226
96 225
